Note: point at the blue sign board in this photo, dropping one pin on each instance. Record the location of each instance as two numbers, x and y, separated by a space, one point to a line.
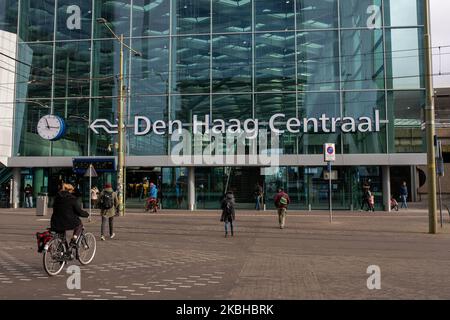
81 165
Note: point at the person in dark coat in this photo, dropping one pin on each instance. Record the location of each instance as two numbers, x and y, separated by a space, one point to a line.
404 195
228 212
66 212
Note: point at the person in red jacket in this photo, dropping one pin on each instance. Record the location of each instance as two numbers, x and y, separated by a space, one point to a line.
282 202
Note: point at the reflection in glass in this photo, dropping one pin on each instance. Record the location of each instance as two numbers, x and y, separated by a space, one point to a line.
175 188
232 16
150 73
117 13
314 105
236 106
404 58
362 59
210 186
266 105
27 140
35 82
232 63
405 109
364 104
274 15
8 15
151 17
106 67
72 69
275 62
317 14
36 20
318 60
75 113
154 108
102 144
193 16
192 73
400 13
185 107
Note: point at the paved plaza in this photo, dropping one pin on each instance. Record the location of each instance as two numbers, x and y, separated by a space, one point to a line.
184 255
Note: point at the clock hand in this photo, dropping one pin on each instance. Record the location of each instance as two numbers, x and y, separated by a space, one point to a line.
48 126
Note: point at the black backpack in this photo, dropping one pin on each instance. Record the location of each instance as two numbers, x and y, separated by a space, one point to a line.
229 208
107 200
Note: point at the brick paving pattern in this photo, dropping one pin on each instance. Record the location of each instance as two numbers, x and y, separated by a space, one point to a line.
184 255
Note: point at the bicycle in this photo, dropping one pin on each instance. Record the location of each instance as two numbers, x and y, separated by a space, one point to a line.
57 252
151 204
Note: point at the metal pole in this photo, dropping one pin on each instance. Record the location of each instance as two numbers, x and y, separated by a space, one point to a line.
329 191
121 128
90 190
440 201
430 124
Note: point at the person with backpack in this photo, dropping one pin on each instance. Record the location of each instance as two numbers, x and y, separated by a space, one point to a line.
282 202
109 203
228 212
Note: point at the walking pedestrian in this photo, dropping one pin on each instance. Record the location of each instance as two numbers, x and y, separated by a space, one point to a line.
258 196
109 204
282 202
94 197
153 198
366 197
404 195
28 196
228 212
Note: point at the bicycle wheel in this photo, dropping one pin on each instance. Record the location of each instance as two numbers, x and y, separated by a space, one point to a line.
54 257
87 248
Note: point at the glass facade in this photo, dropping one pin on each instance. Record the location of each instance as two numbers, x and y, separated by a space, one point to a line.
225 58
231 59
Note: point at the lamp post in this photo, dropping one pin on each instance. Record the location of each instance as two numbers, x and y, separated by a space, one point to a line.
430 123
121 127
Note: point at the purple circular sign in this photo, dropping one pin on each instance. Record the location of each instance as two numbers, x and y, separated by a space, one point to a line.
330 150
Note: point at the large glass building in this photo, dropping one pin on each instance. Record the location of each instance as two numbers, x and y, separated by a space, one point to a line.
220 59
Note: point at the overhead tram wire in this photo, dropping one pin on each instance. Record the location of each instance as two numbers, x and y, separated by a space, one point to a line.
325 58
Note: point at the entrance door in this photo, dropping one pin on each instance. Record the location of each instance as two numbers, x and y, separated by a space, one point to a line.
242 182
137 185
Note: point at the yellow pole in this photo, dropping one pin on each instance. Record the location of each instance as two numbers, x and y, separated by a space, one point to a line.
120 176
430 124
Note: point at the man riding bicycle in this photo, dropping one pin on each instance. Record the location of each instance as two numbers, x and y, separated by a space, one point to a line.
66 213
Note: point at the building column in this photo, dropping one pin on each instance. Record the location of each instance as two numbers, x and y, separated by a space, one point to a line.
191 188
413 184
16 187
386 172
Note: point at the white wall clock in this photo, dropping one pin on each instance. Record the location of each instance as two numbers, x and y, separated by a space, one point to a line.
51 127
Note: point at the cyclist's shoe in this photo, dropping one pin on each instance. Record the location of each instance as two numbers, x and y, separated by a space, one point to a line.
102 238
112 236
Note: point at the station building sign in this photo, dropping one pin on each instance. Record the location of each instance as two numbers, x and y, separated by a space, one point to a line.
277 124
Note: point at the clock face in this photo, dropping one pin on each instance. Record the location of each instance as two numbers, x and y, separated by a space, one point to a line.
51 127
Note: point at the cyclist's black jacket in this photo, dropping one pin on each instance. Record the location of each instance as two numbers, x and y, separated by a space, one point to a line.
66 212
